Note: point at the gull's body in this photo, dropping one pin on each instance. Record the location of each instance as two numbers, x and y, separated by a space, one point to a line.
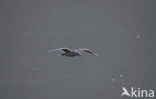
71 53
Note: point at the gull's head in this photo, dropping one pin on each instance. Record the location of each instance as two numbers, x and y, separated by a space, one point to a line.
78 53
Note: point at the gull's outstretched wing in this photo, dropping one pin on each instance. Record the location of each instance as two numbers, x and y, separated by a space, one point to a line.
87 50
66 50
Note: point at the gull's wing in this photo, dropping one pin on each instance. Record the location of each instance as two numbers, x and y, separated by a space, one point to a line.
87 50
66 50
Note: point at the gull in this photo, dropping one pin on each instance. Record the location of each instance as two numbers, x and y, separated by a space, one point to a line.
71 53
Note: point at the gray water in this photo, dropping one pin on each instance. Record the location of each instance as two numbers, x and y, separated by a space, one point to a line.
121 32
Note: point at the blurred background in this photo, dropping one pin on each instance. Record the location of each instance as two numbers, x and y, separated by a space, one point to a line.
121 32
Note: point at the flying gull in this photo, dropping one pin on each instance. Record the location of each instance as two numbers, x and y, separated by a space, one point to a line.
71 53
